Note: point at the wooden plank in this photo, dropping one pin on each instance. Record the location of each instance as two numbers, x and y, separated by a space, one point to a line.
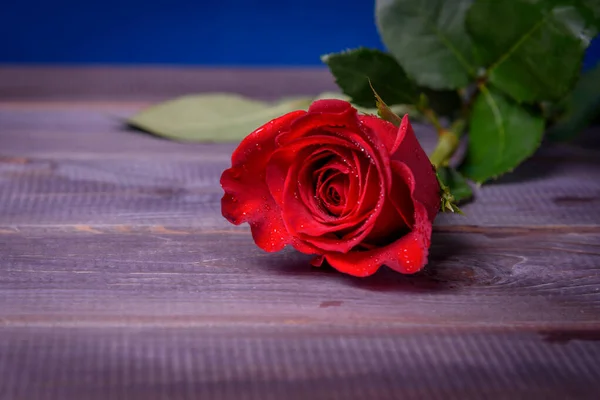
156 182
272 363
156 83
531 280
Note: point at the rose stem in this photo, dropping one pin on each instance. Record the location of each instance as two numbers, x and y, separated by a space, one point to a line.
446 146
448 139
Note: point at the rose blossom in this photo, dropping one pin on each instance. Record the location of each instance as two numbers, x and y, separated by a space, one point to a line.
352 189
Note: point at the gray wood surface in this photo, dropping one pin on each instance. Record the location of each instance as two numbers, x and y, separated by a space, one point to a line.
120 279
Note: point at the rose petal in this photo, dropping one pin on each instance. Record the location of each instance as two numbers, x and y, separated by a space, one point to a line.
397 215
247 197
389 134
410 152
321 113
409 253
406 255
324 234
341 235
337 159
300 221
280 161
403 190
335 183
333 106
373 148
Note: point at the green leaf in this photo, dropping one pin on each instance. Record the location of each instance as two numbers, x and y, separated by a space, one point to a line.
593 13
531 50
428 39
502 134
582 16
353 69
456 183
217 117
584 21
582 106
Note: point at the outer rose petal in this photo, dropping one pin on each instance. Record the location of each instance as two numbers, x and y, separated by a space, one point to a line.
403 146
386 131
410 152
321 114
407 255
247 197
398 213
329 106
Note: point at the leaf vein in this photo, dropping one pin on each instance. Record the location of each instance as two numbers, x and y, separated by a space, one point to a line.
498 120
518 44
444 40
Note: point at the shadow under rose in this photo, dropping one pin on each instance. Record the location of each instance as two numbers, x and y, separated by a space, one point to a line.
439 275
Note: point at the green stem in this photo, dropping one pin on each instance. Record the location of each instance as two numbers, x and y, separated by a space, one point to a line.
448 142
448 139
446 146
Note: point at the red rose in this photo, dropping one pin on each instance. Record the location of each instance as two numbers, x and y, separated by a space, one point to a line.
352 189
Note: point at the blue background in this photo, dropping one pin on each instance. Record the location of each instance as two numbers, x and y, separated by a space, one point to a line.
226 32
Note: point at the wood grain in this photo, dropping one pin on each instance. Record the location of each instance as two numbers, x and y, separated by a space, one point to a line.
138 179
275 363
120 279
188 279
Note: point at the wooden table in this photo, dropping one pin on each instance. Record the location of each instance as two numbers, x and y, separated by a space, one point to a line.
119 279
